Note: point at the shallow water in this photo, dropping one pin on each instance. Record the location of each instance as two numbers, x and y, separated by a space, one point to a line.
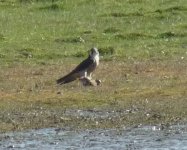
142 137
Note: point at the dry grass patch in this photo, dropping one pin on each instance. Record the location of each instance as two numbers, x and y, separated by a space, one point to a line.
155 90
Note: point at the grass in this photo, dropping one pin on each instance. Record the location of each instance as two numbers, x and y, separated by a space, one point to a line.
143 59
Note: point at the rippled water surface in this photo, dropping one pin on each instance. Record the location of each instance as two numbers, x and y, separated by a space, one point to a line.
145 137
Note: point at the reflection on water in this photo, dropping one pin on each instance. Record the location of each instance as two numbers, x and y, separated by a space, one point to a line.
146 137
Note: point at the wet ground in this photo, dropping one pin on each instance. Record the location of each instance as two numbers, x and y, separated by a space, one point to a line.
141 137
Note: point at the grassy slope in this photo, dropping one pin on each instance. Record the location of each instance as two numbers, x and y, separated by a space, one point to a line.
143 40
138 29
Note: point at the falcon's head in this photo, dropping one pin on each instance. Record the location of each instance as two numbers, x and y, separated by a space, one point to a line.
94 53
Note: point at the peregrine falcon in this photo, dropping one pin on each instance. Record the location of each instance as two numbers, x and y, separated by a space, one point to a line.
84 69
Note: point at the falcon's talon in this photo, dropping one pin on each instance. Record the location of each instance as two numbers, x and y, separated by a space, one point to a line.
90 82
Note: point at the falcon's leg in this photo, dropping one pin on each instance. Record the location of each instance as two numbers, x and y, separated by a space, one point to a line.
89 76
85 74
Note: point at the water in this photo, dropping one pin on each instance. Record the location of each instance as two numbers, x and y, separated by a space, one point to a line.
143 138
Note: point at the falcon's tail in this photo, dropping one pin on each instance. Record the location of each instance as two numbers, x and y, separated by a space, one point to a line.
65 79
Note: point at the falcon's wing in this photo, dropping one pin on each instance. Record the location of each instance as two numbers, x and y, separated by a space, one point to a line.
69 77
78 72
83 65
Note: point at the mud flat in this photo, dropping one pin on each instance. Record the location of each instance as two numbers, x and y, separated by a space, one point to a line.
141 137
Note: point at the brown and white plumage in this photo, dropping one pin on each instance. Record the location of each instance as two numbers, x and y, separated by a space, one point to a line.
84 69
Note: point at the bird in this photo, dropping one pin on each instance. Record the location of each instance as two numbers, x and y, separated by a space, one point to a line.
84 69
